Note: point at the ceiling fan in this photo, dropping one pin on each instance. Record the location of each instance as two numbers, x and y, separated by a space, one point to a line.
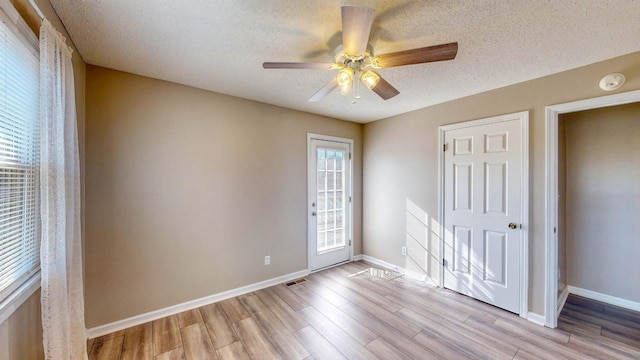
355 59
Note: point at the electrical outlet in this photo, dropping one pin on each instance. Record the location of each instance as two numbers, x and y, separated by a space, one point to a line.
267 260
404 250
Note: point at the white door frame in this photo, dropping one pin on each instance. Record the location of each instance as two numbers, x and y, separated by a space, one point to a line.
524 249
349 187
551 189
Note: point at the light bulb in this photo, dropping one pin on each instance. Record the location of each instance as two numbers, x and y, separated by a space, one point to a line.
370 79
345 77
345 80
345 89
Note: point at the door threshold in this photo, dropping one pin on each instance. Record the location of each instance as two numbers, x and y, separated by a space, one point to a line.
330 266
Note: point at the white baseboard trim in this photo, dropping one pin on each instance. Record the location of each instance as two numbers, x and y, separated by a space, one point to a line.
178 308
356 257
422 276
536 318
382 263
387 265
627 304
562 299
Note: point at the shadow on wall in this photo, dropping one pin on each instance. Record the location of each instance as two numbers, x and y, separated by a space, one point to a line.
423 244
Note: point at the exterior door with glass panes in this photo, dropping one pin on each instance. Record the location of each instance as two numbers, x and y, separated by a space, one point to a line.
329 201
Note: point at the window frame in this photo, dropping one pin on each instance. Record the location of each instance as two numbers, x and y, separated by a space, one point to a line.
27 284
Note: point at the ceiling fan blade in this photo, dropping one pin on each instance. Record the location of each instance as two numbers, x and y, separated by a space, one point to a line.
417 56
385 90
356 25
324 91
297 65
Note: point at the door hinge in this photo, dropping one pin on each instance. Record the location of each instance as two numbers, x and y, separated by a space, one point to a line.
349 242
349 199
444 262
445 147
554 229
349 156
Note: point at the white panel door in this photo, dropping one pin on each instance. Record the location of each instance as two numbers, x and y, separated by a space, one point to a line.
482 212
329 239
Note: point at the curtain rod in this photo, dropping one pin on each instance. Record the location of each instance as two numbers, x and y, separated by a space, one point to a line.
36 8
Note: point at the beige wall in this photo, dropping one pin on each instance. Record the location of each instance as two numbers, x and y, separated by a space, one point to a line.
603 200
21 334
401 158
188 190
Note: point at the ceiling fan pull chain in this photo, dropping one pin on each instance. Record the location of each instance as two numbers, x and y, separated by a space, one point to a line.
356 92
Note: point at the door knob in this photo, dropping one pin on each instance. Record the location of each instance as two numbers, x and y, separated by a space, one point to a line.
313 213
512 226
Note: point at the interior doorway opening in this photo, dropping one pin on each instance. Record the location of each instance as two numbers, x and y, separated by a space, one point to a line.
556 291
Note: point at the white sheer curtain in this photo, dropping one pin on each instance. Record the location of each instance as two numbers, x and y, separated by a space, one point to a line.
61 256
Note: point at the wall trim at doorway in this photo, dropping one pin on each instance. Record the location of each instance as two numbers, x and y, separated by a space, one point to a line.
523 116
609 299
535 318
551 188
562 299
189 305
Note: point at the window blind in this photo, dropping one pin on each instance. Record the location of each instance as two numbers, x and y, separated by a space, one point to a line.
19 159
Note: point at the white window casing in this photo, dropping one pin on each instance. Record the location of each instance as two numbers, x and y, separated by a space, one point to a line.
19 161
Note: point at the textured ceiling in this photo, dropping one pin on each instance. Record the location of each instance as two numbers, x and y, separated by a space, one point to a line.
220 45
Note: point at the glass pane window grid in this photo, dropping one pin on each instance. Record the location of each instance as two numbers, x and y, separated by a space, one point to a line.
330 183
19 161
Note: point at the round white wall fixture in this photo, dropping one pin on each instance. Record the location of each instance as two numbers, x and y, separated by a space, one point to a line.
612 82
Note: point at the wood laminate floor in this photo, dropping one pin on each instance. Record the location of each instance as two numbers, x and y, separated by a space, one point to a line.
600 321
357 311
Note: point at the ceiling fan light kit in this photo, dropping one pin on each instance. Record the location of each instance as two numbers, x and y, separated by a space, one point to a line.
345 80
370 79
355 60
